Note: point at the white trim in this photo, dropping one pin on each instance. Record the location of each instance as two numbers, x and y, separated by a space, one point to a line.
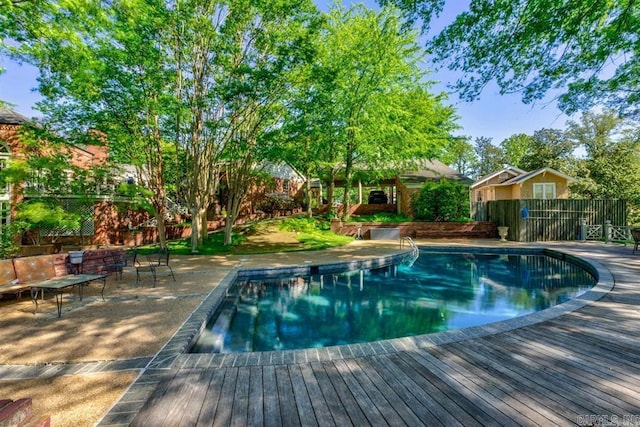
510 169
544 186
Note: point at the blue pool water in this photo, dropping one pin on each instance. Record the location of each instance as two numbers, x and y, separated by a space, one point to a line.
439 292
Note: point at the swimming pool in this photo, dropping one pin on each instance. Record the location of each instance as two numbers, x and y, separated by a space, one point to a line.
439 292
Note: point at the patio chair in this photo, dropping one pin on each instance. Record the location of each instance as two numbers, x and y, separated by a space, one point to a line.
635 233
115 263
150 263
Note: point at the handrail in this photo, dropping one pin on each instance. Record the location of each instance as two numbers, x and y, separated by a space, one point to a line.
415 252
408 240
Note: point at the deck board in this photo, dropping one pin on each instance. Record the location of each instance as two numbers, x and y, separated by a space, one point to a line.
227 395
410 394
536 396
301 394
590 365
530 368
211 398
347 397
576 382
190 409
455 403
330 395
476 403
563 403
287 401
270 398
391 406
504 389
240 406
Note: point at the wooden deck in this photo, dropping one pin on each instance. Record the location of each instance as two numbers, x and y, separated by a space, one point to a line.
582 368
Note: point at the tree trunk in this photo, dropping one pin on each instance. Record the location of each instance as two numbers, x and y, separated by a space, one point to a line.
307 185
162 232
233 209
330 193
194 230
204 228
346 204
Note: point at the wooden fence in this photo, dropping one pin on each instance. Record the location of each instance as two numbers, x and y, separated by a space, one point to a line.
531 220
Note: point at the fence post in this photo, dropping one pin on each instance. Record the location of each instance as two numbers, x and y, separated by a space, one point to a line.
583 229
607 231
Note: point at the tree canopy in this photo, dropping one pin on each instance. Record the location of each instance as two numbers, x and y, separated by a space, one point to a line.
195 91
587 49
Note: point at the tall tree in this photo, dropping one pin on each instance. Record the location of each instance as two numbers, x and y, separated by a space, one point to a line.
588 48
611 164
265 50
490 157
383 114
515 148
549 148
200 50
102 67
460 155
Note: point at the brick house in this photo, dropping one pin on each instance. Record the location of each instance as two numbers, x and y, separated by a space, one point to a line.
101 228
112 217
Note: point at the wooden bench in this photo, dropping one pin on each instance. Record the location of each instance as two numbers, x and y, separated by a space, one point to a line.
39 274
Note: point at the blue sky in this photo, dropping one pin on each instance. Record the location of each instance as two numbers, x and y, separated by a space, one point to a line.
493 115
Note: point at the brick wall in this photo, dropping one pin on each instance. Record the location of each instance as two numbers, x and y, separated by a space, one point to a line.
361 209
423 230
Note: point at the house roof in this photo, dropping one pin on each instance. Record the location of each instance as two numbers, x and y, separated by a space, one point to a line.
283 170
430 170
512 170
427 170
520 177
10 117
526 176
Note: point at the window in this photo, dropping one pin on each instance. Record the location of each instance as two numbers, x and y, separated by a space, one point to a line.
4 157
544 190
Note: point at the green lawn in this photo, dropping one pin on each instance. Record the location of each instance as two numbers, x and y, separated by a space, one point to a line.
268 236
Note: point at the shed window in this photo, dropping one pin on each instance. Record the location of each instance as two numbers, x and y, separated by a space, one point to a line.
544 190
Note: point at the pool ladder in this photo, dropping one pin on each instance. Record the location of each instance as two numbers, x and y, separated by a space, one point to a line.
415 252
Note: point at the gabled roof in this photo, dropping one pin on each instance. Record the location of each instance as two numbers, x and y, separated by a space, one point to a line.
512 170
10 117
526 176
430 170
282 170
520 176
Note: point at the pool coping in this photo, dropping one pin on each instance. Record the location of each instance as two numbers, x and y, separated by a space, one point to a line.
174 354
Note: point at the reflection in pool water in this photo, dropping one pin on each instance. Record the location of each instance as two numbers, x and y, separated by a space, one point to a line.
440 291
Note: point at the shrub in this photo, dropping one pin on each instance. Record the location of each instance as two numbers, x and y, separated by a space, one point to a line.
276 202
442 201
